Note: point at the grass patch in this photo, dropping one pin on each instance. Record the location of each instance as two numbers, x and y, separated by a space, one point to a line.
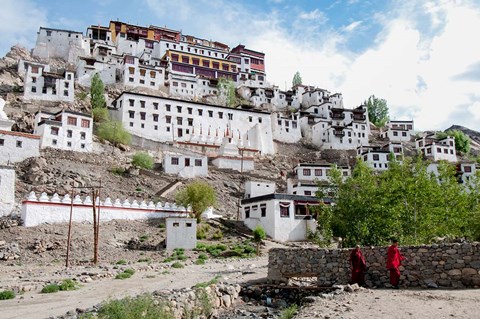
289 312
143 238
213 281
121 262
144 260
127 273
217 235
143 306
68 284
120 171
200 262
161 226
177 265
7 294
51 288
202 256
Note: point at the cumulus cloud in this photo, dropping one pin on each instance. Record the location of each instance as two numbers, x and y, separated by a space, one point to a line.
20 20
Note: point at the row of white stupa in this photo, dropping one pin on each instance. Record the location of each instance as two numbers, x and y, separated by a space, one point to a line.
32 197
209 139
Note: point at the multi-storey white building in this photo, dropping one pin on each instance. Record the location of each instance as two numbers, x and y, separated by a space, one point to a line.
399 131
185 165
65 130
42 84
88 67
286 129
437 149
64 44
137 74
378 157
306 177
170 120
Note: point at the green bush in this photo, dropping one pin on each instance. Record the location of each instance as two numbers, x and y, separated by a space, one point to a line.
217 234
168 259
114 132
213 281
129 271
200 262
143 238
181 257
51 288
144 260
100 114
161 226
289 312
144 306
142 160
68 284
120 171
82 95
123 275
177 265
121 262
7 294
201 247
202 256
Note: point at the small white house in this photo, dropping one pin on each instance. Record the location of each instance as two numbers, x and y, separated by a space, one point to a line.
378 157
186 166
181 233
307 175
66 130
399 131
286 129
15 146
136 74
7 189
40 83
88 67
284 217
437 149
255 188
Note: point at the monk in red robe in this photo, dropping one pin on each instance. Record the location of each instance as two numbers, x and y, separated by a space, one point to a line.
394 260
358 265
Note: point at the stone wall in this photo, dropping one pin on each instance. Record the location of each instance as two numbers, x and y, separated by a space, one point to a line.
445 265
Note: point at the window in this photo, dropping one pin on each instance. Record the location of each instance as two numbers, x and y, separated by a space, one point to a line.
306 172
131 114
176 224
168 119
216 65
69 133
189 224
82 135
72 121
206 63
187 161
54 130
142 116
153 74
34 89
230 116
190 110
467 169
131 124
34 69
34 80
179 109
86 123
185 59
155 105
167 107
175 83
294 124
220 115
44 90
247 212
308 193
131 70
174 160
155 117
179 120
210 113
284 209
131 102
263 210
143 72
142 81
2 142
69 144
190 122
404 133
142 104
54 142
318 172
250 119
200 112
198 162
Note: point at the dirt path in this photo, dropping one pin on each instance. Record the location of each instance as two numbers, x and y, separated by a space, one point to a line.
36 305
397 304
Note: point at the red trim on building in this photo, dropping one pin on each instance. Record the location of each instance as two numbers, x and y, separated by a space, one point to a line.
27 135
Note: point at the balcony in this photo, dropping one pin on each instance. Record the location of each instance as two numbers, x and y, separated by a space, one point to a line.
338 116
359 117
339 133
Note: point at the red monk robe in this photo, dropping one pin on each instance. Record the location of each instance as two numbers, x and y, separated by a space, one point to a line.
358 265
394 260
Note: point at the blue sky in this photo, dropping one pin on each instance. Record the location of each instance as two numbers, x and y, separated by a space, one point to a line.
420 55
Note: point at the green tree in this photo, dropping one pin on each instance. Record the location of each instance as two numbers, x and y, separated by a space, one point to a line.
258 236
227 90
114 132
143 160
377 111
199 196
97 91
462 141
297 79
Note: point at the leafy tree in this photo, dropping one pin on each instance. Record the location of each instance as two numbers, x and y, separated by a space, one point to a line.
297 79
227 89
97 90
143 160
377 111
462 141
114 132
199 196
258 236
100 114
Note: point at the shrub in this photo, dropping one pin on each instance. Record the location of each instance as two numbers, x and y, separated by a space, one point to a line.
200 262
123 275
161 226
217 234
48 289
168 259
143 306
118 171
213 281
144 260
100 114
289 313
142 160
181 257
258 236
202 256
7 294
143 238
68 284
177 265
82 95
121 262
114 132
201 247
129 271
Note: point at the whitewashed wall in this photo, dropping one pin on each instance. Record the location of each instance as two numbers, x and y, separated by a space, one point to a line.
181 233
7 190
234 163
18 146
45 209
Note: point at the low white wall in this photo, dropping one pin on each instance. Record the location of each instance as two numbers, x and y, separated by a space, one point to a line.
181 233
7 190
234 163
54 209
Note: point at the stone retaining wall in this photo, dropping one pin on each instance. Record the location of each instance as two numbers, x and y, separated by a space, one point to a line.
444 265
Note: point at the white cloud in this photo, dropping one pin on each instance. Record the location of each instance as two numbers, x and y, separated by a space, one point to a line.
20 20
312 15
352 26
